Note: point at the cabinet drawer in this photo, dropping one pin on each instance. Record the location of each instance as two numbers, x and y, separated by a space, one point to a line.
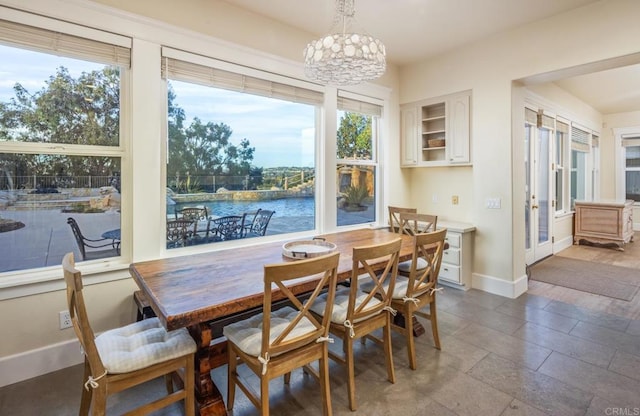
451 256
451 273
453 239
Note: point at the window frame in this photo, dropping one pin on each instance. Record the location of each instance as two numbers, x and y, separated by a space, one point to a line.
351 102
258 80
20 281
624 136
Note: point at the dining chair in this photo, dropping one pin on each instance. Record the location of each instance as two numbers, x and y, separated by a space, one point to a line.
121 358
411 294
394 217
412 224
275 342
357 314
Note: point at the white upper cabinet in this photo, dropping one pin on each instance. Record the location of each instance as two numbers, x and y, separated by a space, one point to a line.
436 132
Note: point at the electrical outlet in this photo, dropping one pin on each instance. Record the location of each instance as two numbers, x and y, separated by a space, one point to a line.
65 320
454 200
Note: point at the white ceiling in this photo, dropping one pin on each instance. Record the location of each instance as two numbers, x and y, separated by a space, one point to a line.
414 30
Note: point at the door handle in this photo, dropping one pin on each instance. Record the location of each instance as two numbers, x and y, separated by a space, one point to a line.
534 207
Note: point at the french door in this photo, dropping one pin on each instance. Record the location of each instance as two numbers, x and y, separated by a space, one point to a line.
538 189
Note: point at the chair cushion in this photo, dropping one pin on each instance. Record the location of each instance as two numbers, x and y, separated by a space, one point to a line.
399 290
247 334
405 266
141 345
340 304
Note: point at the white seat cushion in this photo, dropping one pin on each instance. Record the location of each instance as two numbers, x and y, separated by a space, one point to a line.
141 345
399 290
247 334
340 304
405 266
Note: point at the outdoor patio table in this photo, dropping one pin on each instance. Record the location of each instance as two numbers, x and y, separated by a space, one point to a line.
114 236
197 290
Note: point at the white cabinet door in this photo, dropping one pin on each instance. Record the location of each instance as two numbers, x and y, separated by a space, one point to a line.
458 129
409 136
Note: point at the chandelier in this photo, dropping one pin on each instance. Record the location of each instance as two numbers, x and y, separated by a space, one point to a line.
344 57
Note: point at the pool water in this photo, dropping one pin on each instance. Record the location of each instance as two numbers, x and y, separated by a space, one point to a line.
286 207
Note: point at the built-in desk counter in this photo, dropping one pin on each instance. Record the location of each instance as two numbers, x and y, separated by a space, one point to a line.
457 260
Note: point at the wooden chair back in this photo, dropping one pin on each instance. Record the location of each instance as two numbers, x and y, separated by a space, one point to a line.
381 282
425 279
78 313
275 278
413 223
394 217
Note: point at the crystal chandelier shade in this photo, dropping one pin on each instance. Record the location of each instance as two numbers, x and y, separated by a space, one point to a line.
344 57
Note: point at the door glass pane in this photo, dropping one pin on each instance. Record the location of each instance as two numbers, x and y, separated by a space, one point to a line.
543 191
578 176
527 186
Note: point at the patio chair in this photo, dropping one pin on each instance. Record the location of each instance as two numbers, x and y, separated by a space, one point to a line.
87 246
180 233
259 224
226 228
200 217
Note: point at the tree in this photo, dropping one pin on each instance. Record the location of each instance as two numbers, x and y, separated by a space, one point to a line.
86 111
82 111
204 148
354 136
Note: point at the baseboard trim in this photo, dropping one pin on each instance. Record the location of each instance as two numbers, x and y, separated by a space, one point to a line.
509 289
562 244
34 363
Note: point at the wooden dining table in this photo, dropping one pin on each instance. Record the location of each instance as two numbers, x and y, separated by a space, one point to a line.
204 291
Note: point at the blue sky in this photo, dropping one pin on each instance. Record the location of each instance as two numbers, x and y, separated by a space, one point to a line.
281 132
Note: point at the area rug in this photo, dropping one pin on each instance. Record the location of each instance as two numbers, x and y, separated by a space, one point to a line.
597 278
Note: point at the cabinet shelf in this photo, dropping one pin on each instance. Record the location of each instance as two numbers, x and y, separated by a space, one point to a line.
443 121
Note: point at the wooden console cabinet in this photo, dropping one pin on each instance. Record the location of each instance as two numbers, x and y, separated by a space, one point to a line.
604 222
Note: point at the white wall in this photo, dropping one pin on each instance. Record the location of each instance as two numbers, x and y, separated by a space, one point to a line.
596 32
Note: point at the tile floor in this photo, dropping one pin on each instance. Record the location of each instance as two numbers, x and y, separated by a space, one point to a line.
554 351
528 356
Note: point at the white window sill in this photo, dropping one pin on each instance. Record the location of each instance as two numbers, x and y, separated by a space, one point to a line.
30 282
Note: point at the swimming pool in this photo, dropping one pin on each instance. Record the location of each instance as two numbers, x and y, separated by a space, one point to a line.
286 207
291 214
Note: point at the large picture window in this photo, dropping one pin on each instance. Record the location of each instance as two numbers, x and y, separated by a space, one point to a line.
241 150
60 146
